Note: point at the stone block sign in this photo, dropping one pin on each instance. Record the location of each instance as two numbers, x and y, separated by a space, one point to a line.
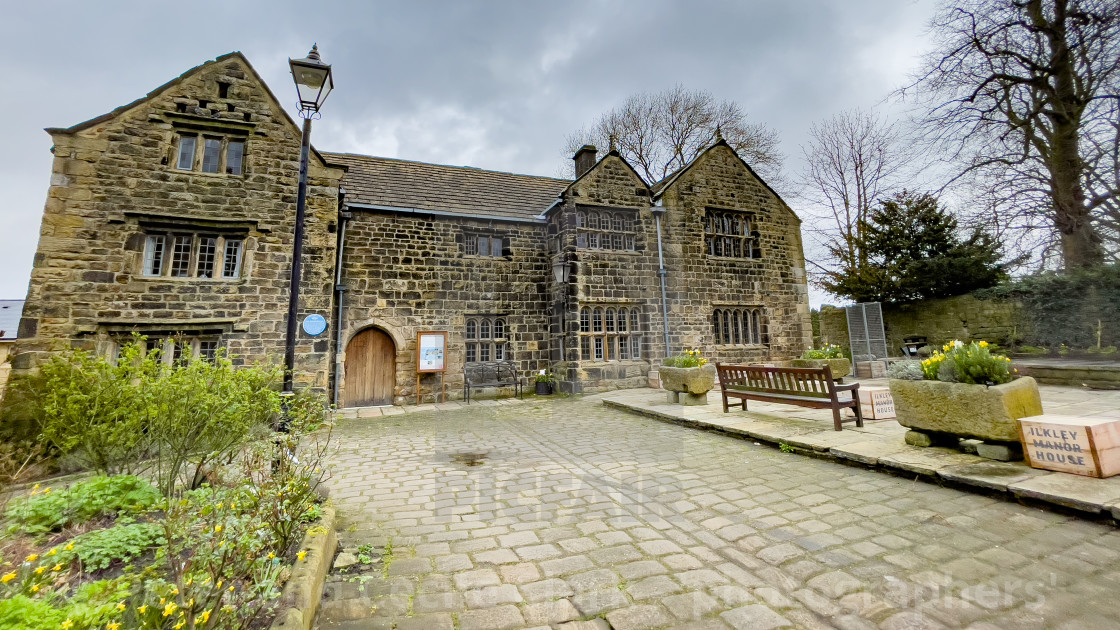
1074 444
876 402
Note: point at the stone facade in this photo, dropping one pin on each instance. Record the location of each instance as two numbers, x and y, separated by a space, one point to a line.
399 247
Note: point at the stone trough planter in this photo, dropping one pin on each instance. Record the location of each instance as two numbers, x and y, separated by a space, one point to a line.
936 412
840 367
689 385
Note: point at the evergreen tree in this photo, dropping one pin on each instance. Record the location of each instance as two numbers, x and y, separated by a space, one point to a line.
915 252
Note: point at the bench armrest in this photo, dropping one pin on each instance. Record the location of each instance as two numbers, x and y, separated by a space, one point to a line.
844 388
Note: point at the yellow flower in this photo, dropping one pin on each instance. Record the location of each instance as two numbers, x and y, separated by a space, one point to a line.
205 616
70 547
983 344
231 589
181 623
301 555
57 567
270 557
47 491
8 577
35 589
219 506
169 609
53 551
121 606
143 609
67 624
113 626
36 487
33 557
217 528
40 570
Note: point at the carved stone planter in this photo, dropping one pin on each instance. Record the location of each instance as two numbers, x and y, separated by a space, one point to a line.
840 367
971 411
689 385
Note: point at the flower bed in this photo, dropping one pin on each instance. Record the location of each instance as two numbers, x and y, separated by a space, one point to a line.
205 533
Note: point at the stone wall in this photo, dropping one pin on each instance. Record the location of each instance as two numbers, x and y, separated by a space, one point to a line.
962 317
115 178
407 273
696 283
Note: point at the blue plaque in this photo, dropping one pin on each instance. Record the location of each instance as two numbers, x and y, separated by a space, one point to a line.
314 325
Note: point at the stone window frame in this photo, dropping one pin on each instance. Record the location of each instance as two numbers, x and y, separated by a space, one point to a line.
606 229
498 244
217 256
734 231
739 326
224 164
610 332
202 345
486 338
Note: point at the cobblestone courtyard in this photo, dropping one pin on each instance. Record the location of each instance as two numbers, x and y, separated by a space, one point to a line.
564 513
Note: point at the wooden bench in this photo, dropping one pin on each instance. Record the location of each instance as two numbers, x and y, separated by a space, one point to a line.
492 374
804 387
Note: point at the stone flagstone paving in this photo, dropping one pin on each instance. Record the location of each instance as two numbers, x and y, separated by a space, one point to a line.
568 514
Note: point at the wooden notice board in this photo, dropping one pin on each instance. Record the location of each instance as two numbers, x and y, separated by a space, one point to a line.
431 358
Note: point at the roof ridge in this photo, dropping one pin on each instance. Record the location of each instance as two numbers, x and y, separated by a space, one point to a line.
454 166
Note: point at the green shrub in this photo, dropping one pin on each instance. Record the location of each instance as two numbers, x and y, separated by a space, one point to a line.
100 549
830 351
97 603
23 613
46 510
690 358
906 370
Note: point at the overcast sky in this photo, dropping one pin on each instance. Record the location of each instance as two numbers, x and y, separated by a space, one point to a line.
496 85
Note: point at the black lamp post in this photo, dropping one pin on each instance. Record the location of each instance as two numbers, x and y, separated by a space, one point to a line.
562 273
313 83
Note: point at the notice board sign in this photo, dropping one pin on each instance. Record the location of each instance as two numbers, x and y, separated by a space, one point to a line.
431 352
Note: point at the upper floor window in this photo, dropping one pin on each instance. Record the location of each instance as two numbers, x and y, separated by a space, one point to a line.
187 255
731 234
486 337
609 333
485 245
596 229
217 154
737 326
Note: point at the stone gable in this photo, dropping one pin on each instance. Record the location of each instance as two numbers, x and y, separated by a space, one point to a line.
115 179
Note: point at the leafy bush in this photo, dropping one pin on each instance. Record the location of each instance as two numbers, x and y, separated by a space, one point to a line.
90 407
690 358
906 370
44 510
829 351
124 542
967 363
23 613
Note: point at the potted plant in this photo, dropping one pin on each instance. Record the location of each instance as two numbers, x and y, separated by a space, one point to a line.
830 355
688 378
545 383
965 390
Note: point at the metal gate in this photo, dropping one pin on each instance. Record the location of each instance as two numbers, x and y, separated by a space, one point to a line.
866 335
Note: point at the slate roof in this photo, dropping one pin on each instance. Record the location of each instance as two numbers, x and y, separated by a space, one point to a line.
462 190
10 312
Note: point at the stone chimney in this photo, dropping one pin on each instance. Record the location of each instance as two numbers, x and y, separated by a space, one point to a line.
585 158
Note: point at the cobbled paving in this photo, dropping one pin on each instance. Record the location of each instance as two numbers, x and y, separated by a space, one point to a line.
567 514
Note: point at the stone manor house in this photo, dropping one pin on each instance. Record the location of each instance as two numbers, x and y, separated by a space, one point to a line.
173 216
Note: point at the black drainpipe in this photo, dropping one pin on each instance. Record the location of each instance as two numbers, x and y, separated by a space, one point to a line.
340 297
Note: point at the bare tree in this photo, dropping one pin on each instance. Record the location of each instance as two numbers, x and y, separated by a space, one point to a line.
851 161
662 132
1024 96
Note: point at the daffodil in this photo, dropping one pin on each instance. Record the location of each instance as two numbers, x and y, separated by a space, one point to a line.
53 551
204 617
8 577
121 606
35 589
301 555
142 609
33 557
169 609
57 567
40 570
112 626
70 547
66 625
217 528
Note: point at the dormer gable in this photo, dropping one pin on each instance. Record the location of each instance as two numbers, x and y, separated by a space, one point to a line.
611 182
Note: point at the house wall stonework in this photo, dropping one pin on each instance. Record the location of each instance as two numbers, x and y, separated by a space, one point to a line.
404 268
407 273
117 178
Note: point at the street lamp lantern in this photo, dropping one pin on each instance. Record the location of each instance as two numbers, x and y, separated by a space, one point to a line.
313 80
313 83
561 271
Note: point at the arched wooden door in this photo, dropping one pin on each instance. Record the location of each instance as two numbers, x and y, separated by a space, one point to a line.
370 369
